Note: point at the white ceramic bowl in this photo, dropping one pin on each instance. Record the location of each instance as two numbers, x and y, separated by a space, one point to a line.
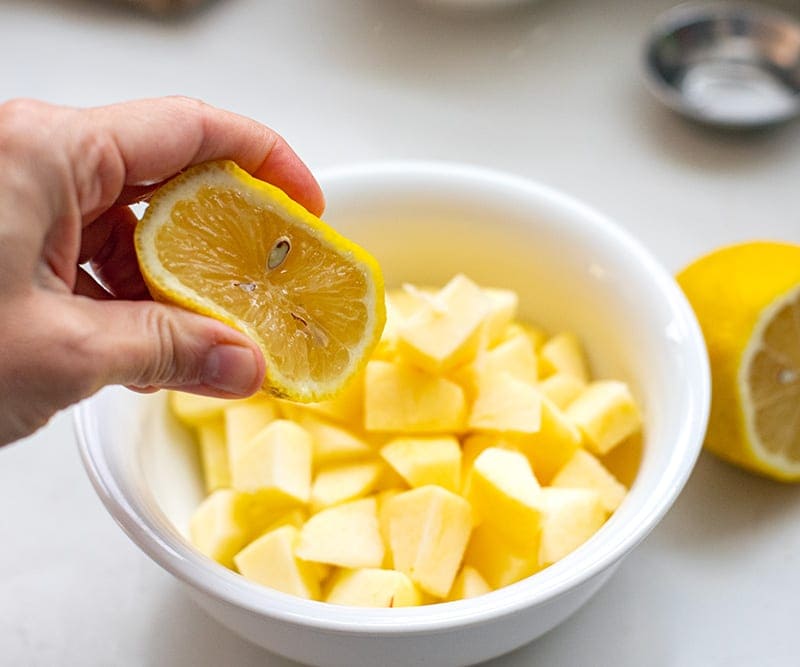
573 270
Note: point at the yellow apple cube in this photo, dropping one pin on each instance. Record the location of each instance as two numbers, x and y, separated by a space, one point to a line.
584 471
346 535
468 584
373 587
403 399
193 410
505 495
563 353
562 389
606 414
339 483
514 356
446 331
218 527
569 518
334 443
498 562
505 404
552 445
400 305
244 420
502 310
276 465
426 460
270 561
345 408
214 454
428 532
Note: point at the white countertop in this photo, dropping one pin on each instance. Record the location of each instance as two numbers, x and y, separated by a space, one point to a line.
551 92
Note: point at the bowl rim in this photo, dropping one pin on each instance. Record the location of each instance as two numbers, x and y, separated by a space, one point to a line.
179 558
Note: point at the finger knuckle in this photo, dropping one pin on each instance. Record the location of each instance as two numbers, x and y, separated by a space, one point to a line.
170 361
99 169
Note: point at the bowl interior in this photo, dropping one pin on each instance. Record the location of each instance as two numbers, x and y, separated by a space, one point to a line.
571 269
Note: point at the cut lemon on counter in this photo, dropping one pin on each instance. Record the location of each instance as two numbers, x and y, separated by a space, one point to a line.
219 242
747 300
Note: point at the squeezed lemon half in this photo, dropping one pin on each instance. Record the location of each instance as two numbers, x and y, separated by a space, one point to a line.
219 242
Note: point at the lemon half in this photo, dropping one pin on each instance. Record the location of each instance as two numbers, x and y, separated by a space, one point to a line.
747 300
219 242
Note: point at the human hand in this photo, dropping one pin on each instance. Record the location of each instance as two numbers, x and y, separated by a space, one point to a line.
66 179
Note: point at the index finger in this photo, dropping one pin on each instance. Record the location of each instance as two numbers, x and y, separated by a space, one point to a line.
158 138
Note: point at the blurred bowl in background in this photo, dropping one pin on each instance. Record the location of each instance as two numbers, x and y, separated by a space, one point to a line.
729 64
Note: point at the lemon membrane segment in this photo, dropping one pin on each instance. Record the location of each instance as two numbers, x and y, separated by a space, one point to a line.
770 382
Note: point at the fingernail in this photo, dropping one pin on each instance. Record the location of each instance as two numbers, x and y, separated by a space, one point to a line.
231 369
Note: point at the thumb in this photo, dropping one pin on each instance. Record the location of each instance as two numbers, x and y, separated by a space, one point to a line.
148 345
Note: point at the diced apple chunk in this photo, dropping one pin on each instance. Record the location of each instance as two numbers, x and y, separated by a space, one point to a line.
334 443
218 527
346 481
506 405
498 562
426 460
346 407
514 356
270 561
606 414
552 445
193 410
505 495
569 518
403 399
563 353
562 389
468 584
428 532
400 305
346 535
214 454
276 465
243 420
502 310
373 587
584 471
446 331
